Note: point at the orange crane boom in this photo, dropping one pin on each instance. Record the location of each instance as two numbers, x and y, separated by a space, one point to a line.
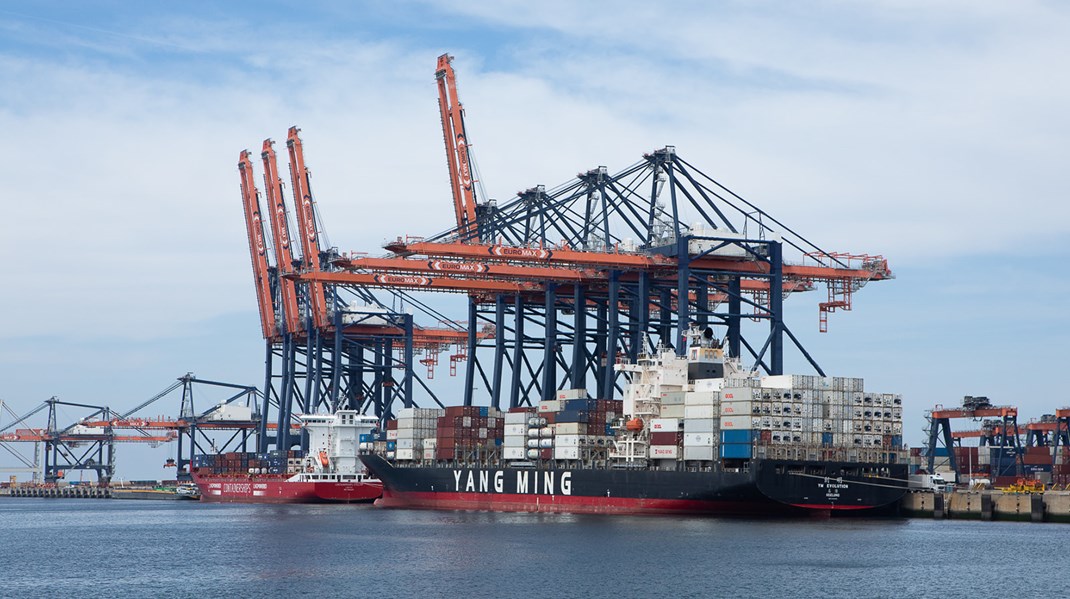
306 223
281 235
457 156
257 248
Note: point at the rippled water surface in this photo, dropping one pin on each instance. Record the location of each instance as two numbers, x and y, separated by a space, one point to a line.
126 548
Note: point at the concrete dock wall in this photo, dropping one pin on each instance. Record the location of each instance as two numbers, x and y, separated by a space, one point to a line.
1051 506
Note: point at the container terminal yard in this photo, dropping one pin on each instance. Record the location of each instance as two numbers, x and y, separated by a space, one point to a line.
569 291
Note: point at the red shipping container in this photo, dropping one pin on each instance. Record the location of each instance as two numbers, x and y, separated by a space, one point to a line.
546 454
665 438
391 425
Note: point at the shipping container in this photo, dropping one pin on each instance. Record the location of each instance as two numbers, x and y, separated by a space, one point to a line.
566 453
701 398
736 422
737 436
663 452
699 439
665 438
677 411
665 425
700 411
701 425
738 408
696 452
735 451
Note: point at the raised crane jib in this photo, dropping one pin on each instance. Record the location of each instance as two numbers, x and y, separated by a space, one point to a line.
281 239
306 223
457 154
257 245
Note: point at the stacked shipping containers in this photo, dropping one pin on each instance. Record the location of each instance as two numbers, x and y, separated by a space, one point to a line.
701 423
571 427
515 437
778 417
413 426
245 463
463 431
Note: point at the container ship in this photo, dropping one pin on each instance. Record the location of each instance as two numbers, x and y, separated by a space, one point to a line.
693 434
329 472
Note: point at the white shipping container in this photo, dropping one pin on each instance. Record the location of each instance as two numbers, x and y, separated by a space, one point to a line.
405 454
516 418
392 435
709 411
406 413
514 453
701 398
661 425
408 444
736 422
430 443
663 452
672 411
779 381
736 408
700 425
740 394
694 452
699 439
552 405
708 385
566 394
673 398
569 440
570 428
516 429
566 453
429 454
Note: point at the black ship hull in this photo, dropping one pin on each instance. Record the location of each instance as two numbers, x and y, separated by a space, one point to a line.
768 487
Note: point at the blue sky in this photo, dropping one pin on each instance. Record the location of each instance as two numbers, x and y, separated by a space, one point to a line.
935 135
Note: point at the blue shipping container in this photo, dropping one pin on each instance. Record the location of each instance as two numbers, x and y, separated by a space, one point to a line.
365 438
581 405
391 445
826 439
484 411
737 436
571 416
735 450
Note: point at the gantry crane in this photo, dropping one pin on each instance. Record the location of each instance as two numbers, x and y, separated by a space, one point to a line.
319 339
974 408
81 446
569 279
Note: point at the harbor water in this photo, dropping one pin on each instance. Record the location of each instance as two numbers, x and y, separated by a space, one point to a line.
108 548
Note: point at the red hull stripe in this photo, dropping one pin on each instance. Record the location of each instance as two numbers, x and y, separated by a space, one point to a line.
571 504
